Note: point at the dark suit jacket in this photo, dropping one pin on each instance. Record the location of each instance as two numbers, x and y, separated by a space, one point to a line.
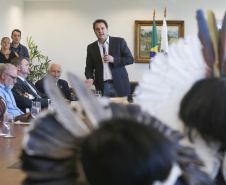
122 57
22 102
62 85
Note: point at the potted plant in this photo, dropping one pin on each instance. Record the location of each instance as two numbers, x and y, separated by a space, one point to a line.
38 62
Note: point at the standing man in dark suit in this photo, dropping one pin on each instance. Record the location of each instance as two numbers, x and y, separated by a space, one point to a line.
105 62
55 70
24 91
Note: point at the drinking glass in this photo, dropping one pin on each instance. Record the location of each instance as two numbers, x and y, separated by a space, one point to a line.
98 93
8 121
35 109
133 96
36 104
50 105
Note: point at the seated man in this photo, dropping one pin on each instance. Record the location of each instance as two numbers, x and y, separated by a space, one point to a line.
25 91
8 77
55 70
3 107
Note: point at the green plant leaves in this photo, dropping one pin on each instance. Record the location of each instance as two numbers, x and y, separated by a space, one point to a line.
38 62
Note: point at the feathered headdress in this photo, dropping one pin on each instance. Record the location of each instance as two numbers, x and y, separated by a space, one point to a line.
196 57
51 152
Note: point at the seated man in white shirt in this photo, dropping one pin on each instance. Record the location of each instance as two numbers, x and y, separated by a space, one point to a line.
24 90
8 77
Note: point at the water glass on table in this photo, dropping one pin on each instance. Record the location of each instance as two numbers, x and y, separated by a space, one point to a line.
50 105
133 96
35 109
8 121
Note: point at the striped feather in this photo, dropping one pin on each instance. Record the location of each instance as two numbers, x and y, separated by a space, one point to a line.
214 36
204 37
222 47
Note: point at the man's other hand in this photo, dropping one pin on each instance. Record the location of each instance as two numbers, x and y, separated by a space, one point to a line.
89 82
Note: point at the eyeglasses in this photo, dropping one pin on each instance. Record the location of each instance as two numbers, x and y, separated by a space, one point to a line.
55 71
13 77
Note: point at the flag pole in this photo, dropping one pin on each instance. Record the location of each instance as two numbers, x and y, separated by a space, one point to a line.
164 36
154 41
165 13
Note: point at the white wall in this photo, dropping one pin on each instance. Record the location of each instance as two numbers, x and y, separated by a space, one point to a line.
12 16
63 29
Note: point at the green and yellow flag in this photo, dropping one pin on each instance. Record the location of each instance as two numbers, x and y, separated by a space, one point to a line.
154 41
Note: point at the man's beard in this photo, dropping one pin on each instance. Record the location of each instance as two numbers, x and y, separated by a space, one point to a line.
56 79
10 86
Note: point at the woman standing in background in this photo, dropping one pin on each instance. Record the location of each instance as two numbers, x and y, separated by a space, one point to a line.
5 54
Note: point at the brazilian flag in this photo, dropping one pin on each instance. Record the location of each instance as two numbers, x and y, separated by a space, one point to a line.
154 41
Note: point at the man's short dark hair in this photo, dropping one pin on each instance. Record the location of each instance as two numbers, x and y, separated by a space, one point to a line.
16 30
125 152
17 61
203 108
99 21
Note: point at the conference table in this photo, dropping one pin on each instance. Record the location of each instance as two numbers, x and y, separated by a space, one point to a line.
10 151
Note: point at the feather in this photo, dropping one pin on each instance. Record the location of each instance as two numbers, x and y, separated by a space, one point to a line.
54 156
214 36
185 65
67 117
96 109
205 39
186 157
222 47
162 88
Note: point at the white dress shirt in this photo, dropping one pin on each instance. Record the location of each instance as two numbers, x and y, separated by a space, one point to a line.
106 69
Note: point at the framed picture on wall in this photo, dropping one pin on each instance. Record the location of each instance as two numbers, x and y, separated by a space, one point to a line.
143 32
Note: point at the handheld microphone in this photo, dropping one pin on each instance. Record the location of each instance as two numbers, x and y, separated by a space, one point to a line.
104 50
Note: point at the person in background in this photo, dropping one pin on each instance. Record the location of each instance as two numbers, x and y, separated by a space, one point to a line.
203 112
15 46
8 78
105 62
24 90
120 145
55 70
125 152
5 54
3 106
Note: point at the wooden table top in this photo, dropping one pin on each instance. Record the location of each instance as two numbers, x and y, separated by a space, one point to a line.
10 150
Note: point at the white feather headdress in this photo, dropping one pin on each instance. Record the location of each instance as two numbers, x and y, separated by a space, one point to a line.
170 77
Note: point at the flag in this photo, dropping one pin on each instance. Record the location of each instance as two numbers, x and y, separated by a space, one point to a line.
154 41
164 38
